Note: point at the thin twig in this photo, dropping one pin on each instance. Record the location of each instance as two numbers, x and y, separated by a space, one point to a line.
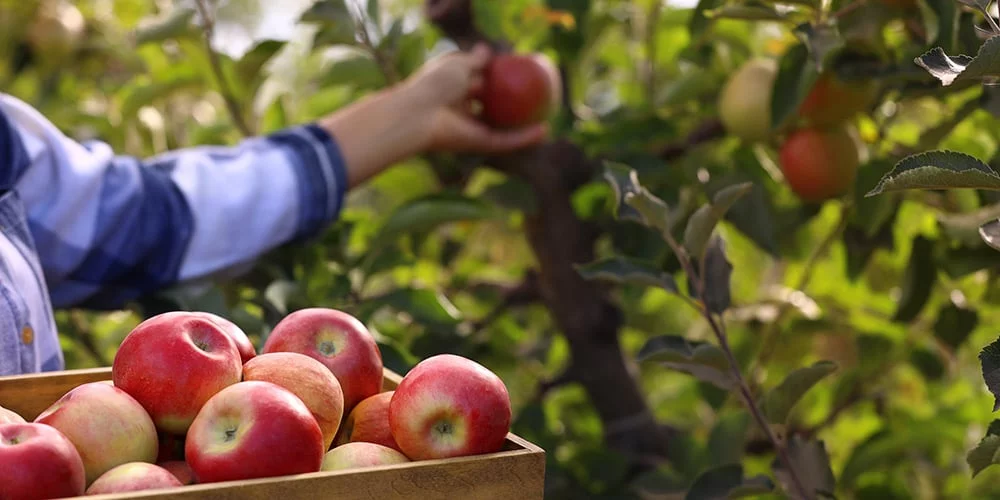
719 329
232 105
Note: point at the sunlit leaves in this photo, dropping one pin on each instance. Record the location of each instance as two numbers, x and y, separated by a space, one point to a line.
778 402
623 270
811 463
705 361
951 69
938 170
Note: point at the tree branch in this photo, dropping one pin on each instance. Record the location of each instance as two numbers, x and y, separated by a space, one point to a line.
232 104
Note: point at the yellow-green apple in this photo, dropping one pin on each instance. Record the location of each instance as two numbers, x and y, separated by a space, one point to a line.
10 417
252 430
339 341
368 422
449 406
180 470
246 348
354 455
106 425
37 461
133 476
518 90
173 363
308 379
745 100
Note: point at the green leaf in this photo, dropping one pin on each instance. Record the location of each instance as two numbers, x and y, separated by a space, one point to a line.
425 306
138 95
918 282
337 25
796 76
728 481
623 270
728 437
928 362
176 24
633 201
990 233
987 452
357 70
283 294
950 69
703 360
811 463
715 274
374 12
699 20
701 225
989 359
954 324
777 404
884 449
938 170
430 212
513 194
751 11
823 41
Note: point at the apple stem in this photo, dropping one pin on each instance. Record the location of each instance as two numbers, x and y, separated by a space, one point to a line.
719 329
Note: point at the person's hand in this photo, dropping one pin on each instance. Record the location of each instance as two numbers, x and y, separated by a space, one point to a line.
444 91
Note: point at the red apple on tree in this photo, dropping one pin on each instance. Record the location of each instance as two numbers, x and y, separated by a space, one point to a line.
449 406
253 430
133 476
37 461
106 425
339 341
173 363
354 455
308 379
9 417
369 422
819 164
519 90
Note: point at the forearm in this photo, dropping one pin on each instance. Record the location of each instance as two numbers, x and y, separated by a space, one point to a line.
379 131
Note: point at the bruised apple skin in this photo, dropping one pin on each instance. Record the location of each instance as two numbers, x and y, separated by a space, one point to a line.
519 90
745 100
172 364
449 406
340 342
819 164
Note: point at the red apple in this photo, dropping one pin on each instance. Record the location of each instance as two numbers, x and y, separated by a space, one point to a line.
246 348
308 379
9 417
449 406
519 90
106 425
180 470
37 461
368 422
133 476
173 363
340 342
253 430
354 455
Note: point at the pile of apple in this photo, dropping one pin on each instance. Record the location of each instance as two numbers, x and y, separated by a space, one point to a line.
191 401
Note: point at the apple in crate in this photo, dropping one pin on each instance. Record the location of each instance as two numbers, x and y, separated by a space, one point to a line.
180 470
133 476
37 461
308 379
243 344
449 406
339 341
9 417
106 425
355 455
173 363
368 422
252 430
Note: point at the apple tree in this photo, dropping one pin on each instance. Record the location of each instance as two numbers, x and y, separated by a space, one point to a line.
757 257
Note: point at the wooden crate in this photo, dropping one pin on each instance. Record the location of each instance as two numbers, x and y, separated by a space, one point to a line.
517 472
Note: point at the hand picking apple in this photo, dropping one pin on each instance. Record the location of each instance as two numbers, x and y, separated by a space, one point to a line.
157 223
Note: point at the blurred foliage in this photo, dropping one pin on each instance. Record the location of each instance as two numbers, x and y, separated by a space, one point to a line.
898 289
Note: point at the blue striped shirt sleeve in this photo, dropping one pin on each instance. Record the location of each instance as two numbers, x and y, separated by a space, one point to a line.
110 228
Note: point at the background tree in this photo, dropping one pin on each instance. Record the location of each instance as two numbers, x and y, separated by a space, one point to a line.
760 235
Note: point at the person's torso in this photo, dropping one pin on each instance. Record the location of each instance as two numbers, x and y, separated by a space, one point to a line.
28 339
